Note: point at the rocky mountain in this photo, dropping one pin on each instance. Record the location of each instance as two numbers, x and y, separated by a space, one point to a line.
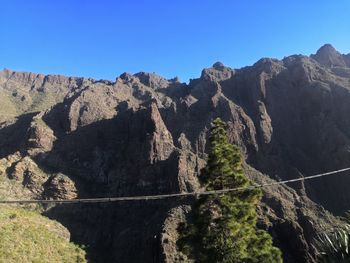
142 134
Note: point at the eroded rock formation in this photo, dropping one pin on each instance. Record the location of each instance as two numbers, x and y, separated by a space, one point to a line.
143 134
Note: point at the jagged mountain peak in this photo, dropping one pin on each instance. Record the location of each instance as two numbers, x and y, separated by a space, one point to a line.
327 48
152 80
217 72
328 56
218 65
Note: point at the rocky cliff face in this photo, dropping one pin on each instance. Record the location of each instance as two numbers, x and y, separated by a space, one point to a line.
143 134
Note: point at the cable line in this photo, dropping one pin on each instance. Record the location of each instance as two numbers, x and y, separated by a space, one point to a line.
165 196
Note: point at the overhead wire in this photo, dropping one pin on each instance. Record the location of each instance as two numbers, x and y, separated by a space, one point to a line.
166 196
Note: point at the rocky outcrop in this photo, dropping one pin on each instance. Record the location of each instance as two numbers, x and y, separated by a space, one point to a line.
189 165
143 134
26 176
170 234
218 72
328 56
291 218
60 186
40 137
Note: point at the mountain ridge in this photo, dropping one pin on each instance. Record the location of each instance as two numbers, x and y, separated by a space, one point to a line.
325 50
144 134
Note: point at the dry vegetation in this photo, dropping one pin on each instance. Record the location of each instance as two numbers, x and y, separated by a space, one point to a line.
29 237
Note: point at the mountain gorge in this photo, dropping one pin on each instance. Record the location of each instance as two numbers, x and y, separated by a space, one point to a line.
68 137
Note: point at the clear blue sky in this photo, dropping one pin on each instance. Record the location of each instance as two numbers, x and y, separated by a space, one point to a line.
102 39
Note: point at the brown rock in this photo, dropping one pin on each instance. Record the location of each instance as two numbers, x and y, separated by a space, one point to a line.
40 137
327 55
60 186
161 141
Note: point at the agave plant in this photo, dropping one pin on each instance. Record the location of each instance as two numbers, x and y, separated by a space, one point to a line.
334 246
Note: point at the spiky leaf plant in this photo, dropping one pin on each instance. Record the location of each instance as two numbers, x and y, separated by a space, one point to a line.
334 246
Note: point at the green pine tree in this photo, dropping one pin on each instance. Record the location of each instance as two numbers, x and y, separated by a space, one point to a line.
224 225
